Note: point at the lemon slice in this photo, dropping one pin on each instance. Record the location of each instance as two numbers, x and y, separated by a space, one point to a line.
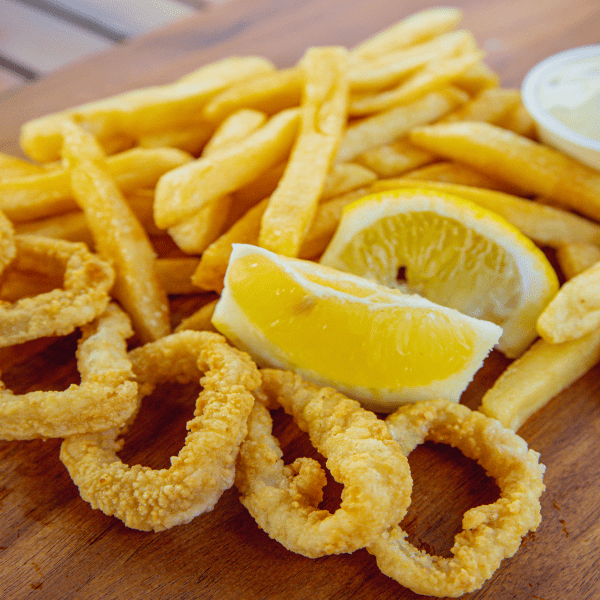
450 251
377 345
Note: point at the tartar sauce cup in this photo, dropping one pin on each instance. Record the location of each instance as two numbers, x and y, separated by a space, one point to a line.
562 94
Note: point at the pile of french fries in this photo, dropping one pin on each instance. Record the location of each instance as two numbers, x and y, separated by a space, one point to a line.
241 151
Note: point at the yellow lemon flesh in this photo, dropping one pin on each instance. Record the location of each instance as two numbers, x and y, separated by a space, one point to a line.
377 345
450 251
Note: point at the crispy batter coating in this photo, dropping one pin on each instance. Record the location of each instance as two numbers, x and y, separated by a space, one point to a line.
150 499
490 533
87 282
360 454
105 398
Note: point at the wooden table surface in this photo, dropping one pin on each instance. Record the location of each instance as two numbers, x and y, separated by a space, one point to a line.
54 546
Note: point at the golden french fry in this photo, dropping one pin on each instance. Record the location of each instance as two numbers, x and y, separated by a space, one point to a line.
11 166
183 191
435 75
141 111
118 235
414 29
342 178
49 192
453 172
70 226
533 379
194 233
545 225
388 126
396 158
345 177
251 194
191 138
293 204
213 263
501 153
489 105
477 78
575 310
326 221
520 121
387 70
141 202
237 127
175 275
269 93
574 258
200 320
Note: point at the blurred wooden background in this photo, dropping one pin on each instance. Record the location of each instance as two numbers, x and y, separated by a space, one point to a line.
40 36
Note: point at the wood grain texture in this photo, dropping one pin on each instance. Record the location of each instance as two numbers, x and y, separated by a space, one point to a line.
53 546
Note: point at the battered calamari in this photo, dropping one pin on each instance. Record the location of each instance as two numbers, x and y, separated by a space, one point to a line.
87 282
106 397
360 453
148 499
490 533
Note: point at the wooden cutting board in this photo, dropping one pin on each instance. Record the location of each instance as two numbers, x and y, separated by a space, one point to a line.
54 546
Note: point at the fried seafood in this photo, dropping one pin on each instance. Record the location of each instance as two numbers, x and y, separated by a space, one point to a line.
360 454
148 499
491 532
105 398
87 282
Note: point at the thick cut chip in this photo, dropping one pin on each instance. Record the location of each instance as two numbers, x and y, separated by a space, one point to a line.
392 124
141 111
293 204
545 225
269 92
416 28
374 344
49 192
575 310
197 231
450 251
435 75
184 191
387 70
539 374
534 167
8 248
118 235
574 258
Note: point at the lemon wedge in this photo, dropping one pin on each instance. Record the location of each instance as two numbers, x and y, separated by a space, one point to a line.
377 345
450 251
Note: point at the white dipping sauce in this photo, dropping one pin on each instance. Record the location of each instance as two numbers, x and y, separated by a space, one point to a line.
572 95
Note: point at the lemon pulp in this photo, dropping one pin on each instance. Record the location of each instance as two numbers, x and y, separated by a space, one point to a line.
441 259
328 333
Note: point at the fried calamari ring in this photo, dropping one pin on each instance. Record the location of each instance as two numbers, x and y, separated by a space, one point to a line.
148 499
491 532
105 398
8 248
360 454
87 282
